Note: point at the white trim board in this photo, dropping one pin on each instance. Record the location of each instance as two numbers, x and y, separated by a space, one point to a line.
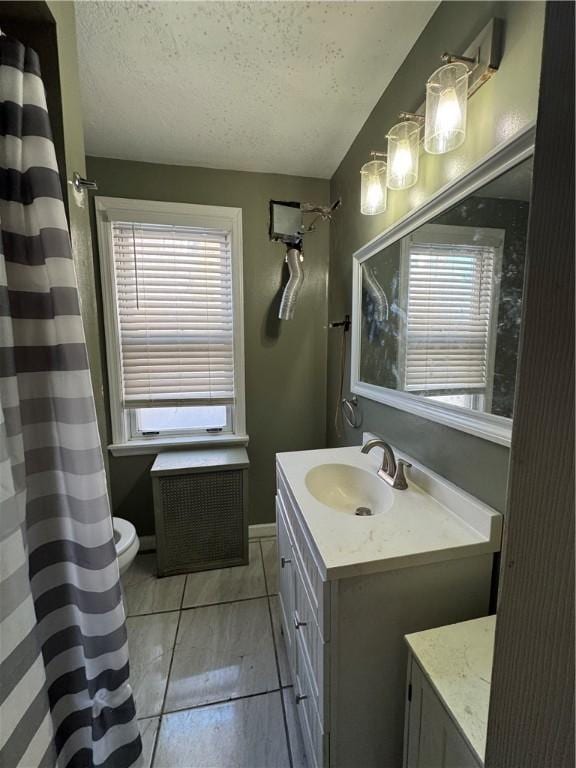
255 532
142 447
485 425
147 543
262 531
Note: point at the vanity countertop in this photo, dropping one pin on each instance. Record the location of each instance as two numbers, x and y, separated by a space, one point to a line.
457 660
432 521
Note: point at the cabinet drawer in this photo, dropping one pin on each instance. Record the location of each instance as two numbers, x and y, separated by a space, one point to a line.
313 646
315 740
286 581
318 590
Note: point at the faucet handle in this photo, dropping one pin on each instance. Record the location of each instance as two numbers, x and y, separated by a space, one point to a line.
399 476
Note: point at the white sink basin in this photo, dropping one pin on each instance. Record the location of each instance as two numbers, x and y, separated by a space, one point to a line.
431 521
349 489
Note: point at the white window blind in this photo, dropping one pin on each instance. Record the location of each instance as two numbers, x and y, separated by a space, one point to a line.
449 316
175 315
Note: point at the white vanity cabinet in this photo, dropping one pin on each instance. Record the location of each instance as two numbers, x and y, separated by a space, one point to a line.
448 695
433 740
344 636
304 606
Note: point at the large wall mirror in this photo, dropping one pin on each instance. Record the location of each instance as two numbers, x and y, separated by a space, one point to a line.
437 300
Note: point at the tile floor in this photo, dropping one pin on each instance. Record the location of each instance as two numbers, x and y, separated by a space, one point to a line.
209 668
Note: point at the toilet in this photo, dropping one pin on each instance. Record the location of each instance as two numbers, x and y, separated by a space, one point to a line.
126 541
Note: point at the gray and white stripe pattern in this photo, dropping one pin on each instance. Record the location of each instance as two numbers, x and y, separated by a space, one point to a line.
65 698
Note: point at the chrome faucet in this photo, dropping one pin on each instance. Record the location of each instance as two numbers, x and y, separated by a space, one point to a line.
391 471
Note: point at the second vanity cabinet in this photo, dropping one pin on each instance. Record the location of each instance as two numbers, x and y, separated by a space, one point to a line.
432 738
448 695
344 638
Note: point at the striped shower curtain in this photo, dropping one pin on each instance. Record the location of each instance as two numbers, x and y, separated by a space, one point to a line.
65 698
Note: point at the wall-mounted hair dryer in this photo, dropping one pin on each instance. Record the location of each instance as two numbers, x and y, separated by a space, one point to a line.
287 225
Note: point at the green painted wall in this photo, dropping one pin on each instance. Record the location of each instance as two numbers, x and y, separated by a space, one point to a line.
285 361
78 216
503 106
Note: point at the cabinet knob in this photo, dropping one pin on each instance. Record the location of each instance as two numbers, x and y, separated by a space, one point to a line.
300 697
284 561
298 623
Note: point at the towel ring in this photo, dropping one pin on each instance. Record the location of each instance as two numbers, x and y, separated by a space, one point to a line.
351 412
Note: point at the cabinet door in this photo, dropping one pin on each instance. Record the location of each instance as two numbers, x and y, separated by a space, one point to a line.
286 568
432 730
457 753
432 737
315 740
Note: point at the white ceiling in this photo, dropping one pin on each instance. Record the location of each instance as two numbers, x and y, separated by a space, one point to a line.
261 86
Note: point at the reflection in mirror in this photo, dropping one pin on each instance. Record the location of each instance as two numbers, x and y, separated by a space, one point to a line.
441 307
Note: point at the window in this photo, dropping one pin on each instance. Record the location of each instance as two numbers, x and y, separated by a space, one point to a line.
450 285
172 288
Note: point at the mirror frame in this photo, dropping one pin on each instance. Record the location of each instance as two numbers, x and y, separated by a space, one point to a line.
497 429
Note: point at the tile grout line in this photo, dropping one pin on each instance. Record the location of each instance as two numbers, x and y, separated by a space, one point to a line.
144 582
263 569
207 605
220 702
205 704
230 700
156 735
154 748
282 704
204 605
284 716
236 599
271 622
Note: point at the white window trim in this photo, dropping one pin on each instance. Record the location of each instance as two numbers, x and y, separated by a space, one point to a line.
186 214
497 429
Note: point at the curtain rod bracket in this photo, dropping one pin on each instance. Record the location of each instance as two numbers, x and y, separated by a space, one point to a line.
80 183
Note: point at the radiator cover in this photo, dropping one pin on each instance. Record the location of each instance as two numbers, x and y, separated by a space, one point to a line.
200 510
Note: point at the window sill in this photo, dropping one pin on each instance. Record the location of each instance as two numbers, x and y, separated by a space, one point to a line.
142 447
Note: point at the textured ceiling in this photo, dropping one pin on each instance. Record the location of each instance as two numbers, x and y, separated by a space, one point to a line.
262 86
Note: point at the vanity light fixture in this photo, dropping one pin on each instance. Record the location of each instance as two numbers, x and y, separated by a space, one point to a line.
443 115
446 102
403 154
373 192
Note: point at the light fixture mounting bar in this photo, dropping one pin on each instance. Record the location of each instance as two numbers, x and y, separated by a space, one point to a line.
374 153
450 58
411 116
483 56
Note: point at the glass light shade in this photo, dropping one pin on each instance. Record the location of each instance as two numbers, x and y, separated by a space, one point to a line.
446 103
403 151
373 193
